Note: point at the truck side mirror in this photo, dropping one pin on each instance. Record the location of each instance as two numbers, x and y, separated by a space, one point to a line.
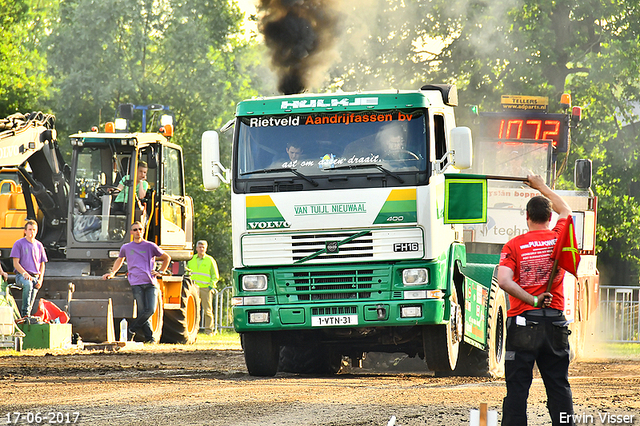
126 111
461 148
583 173
212 169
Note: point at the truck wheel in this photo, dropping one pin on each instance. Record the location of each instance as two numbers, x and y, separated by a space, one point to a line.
261 353
496 332
309 360
181 325
441 343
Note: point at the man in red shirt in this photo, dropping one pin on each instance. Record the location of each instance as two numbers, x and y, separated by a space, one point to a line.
536 327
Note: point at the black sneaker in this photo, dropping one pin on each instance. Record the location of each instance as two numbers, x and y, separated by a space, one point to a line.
151 341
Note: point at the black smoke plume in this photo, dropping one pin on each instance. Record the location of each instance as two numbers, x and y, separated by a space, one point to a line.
300 35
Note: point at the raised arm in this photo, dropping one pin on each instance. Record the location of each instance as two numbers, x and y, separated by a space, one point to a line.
559 205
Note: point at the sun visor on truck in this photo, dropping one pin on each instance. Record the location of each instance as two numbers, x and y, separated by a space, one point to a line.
465 199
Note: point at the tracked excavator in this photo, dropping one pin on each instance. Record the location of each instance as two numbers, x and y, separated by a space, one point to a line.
82 227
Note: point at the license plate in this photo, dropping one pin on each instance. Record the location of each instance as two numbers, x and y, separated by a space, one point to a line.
330 320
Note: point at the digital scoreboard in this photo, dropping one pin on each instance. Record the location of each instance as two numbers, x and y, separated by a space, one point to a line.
526 125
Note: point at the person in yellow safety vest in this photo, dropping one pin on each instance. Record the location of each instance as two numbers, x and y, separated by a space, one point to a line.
204 272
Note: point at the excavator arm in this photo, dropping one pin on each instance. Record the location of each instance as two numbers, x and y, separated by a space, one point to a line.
28 144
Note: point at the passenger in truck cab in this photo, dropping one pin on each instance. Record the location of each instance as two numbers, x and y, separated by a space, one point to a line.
294 151
391 141
391 136
141 188
294 155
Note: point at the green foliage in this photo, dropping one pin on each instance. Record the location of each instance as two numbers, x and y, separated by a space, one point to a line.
114 51
23 80
186 55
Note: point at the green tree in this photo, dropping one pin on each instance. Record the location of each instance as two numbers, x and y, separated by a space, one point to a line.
23 78
186 55
543 47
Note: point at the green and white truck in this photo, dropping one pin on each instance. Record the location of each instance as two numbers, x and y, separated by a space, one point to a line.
343 242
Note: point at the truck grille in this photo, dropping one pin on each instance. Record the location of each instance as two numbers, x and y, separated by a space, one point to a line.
306 245
347 284
348 246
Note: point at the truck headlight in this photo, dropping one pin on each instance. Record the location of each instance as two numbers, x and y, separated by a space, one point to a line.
410 312
254 282
416 276
258 317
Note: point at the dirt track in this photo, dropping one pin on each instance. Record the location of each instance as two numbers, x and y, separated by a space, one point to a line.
179 385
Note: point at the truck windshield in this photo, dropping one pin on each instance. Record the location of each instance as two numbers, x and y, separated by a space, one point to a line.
96 215
321 144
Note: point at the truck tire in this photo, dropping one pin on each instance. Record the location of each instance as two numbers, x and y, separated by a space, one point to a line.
489 363
441 343
157 319
261 353
309 360
181 325
497 332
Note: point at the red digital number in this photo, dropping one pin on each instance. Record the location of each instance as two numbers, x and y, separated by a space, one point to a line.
529 129
549 134
510 124
538 124
525 127
518 124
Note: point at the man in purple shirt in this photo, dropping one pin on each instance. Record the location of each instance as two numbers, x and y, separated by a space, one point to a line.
29 258
141 256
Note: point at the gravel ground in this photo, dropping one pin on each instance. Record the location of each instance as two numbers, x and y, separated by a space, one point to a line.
209 385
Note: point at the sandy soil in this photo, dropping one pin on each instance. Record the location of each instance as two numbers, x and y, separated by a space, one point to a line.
180 385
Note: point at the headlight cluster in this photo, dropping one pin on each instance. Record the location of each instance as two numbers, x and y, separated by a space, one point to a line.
415 276
254 282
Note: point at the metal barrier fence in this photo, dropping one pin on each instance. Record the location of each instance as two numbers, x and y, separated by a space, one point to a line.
222 312
619 314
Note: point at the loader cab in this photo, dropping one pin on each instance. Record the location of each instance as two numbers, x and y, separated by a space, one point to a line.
108 171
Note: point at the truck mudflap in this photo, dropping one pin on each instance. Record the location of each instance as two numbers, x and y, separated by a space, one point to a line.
485 315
